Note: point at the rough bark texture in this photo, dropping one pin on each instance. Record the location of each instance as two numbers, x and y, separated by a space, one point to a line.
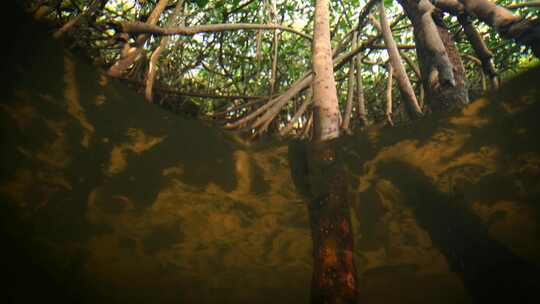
445 95
441 73
447 98
334 274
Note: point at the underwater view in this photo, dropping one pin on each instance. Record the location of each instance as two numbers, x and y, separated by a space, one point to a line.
106 197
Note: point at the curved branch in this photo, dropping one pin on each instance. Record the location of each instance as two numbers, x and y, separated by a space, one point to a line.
152 65
510 26
404 84
129 54
145 28
481 50
297 115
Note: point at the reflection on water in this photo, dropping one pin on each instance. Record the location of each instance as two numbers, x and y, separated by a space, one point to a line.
108 199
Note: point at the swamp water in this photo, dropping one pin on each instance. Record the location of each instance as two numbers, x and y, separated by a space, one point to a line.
107 199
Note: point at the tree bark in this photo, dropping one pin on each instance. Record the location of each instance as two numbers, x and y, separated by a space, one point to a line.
443 74
275 48
489 12
389 84
334 274
146 28
481 50
325 101
449 98
297 115
152 66
307 127
523 31
402 79
362 112
416 71
350 96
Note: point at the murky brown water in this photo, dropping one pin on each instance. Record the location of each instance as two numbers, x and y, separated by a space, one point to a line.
108 199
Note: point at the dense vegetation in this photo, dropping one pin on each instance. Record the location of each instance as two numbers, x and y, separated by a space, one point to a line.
224 75
310 70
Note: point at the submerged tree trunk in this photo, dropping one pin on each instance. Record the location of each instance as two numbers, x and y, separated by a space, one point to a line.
443 74
334 274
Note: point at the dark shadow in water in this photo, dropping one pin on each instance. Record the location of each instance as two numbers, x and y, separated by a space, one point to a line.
31 269
297 157
521 92
491 272
33 264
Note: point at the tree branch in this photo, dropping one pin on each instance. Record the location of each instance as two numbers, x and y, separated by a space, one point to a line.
145 28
